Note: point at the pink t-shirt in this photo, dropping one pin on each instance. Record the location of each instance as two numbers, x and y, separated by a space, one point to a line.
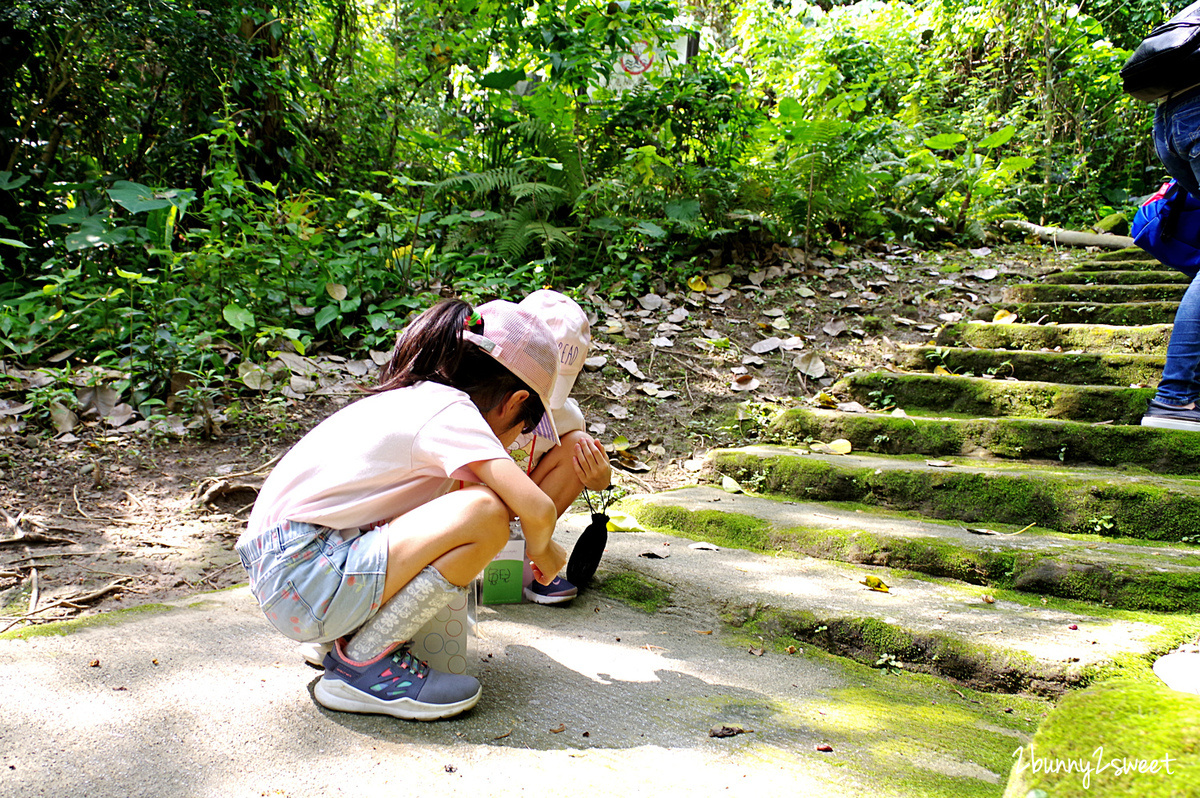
377 459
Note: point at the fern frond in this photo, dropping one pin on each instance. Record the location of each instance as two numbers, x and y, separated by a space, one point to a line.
561 147
482 182
540 192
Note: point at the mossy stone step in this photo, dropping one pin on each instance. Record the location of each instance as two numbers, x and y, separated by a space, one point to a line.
1156 450
1068 500
1067 367
1145 340
1125 315
1125 576
1124 255
978 396
1017 644
1114 277
1110 294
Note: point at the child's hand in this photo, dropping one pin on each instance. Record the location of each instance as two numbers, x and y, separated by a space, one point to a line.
591 465
548 563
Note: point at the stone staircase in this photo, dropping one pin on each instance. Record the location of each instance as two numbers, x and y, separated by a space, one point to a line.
1034 538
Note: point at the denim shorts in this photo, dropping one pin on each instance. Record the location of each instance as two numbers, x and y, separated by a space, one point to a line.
311 583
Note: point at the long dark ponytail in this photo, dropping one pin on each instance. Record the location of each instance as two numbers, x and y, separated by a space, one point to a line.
432 349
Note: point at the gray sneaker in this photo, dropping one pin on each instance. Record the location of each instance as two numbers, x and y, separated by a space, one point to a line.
395 683
1167 417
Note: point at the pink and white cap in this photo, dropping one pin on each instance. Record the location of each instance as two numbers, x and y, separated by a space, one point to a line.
524 345
572 334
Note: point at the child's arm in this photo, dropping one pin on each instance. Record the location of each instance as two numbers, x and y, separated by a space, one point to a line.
535 509
591 465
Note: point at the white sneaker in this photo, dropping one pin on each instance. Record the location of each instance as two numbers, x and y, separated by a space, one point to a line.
314 653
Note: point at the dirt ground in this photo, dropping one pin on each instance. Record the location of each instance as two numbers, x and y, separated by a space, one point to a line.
107 517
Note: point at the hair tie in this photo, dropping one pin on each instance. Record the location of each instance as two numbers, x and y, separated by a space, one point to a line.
474 320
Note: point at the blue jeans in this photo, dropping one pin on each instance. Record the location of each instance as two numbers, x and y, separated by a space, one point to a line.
1177 141
312 584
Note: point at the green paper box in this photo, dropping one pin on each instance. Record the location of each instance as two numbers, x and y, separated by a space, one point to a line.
504 577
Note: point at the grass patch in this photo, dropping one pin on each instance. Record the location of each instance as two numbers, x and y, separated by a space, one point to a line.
73 625
635 590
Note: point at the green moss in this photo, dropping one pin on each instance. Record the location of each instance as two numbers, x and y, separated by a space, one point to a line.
1163 451
1134 585
1140 510
634 589
1124 314
1115 277
86 622
1075 369
1050 293
903 734
1150 340
1119 720
865 640
976 396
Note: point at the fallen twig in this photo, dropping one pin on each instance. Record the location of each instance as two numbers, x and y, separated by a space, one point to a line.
34 593
265 465
23 538
75 602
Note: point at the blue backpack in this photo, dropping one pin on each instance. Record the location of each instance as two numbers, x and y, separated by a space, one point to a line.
1168 227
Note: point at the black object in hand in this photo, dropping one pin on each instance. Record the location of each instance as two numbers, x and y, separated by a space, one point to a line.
585 557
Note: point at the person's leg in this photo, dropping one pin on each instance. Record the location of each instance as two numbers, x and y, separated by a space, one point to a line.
1178 386
555 472
434 552
1177 142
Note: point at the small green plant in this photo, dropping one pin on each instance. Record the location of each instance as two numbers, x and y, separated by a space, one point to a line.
997 370
888 663
880 440
937 356
880 400
1102 524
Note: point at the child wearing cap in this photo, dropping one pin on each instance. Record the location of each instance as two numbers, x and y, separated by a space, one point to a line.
562 470
383 514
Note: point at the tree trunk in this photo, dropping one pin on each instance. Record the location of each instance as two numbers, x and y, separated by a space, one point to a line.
1072 238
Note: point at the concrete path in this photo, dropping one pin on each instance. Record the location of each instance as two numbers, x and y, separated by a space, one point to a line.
203 699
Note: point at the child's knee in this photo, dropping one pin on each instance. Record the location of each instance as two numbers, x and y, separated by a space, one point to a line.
489 516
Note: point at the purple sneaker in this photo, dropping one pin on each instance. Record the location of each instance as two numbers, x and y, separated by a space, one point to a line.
395 683
559 591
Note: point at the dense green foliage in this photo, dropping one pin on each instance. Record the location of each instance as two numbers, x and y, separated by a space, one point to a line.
187 184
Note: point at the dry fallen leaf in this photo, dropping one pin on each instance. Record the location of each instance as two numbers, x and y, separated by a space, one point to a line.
988 598
810 365
730 485
875 583
703 631
939 463
721 730
765 345
651 302
1004 317
834 328
758 652
825 748
840 446
559 729
744 382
